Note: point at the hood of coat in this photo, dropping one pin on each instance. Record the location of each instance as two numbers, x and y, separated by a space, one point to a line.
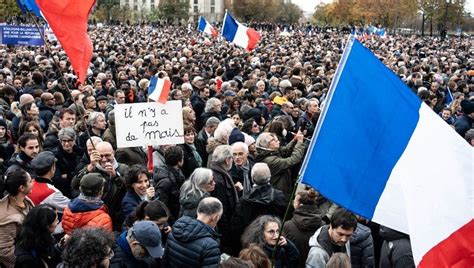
307 218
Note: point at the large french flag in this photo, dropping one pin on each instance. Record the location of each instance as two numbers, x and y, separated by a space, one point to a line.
206 27
159 89
235 32
382 153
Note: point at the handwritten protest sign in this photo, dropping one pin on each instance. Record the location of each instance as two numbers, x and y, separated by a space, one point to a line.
148 123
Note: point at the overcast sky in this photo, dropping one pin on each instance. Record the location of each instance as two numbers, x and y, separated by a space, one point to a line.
309 5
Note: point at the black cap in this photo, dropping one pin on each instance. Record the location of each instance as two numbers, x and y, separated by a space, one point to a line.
43 161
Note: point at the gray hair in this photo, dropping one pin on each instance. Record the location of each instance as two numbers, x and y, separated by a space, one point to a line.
67 133
261 174
254 232
212 121
239 144
223 130
264 139
93 117
186 86
221 154
209 206
284 83
260 82
225 86
196 183
211 104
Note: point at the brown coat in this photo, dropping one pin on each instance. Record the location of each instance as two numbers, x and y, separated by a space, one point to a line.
11 218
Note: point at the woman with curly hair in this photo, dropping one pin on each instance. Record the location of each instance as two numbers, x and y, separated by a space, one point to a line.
264 231
88 247
35 244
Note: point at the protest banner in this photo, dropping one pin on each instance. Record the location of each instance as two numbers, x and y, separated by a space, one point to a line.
149 123
20 35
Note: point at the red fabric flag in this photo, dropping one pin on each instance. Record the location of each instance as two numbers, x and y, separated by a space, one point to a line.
68 20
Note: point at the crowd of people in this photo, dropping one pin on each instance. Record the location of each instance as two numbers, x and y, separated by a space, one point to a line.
71 198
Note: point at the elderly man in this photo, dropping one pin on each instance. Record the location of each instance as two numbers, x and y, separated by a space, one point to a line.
103 162
213 109
225 191
280 159
262 198
240 171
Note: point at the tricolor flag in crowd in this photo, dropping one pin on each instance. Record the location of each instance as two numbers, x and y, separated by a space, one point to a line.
382 153
206 27
159 89
235 32
68 20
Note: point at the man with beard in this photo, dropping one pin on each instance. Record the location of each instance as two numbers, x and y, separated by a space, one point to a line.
29 145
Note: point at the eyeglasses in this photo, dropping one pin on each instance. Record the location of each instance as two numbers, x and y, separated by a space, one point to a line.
211 182
67 141
254 125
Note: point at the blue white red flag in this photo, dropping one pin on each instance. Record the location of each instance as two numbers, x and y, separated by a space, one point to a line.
206 27
159 89
381 152
235 32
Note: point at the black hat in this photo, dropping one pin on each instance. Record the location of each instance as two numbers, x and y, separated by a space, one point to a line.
43 162
91 184
467 107
101 98
3 123
235 136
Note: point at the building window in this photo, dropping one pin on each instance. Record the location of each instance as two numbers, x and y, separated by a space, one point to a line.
196 10
152 6
135 7
213 2
196 18
196 2
213 10
144 1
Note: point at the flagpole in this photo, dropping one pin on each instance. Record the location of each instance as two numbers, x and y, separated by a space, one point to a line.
35 21
293 192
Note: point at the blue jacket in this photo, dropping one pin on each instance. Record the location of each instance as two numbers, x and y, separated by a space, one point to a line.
192 243
123 256
362 247
129 202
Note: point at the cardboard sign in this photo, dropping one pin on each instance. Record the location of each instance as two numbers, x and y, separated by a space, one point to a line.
149 123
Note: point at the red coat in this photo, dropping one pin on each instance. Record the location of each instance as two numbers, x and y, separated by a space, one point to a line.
79 214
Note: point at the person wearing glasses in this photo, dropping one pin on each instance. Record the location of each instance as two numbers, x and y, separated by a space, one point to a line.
104 163
69 156
264 232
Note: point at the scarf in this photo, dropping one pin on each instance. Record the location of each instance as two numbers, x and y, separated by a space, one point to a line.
196 154
90 199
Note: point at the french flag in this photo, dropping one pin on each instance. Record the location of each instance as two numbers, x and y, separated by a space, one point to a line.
159 89
382 153
206 27
239 34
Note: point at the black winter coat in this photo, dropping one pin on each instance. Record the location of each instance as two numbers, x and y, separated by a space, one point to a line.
168 181
362 247
306 220
192 243
286 257
262 200
190 163
396 249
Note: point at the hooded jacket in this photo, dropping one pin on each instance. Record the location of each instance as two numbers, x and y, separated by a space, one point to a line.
262 200
306 220
362 247
20 161
396 249
192 243
80 213
322 248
